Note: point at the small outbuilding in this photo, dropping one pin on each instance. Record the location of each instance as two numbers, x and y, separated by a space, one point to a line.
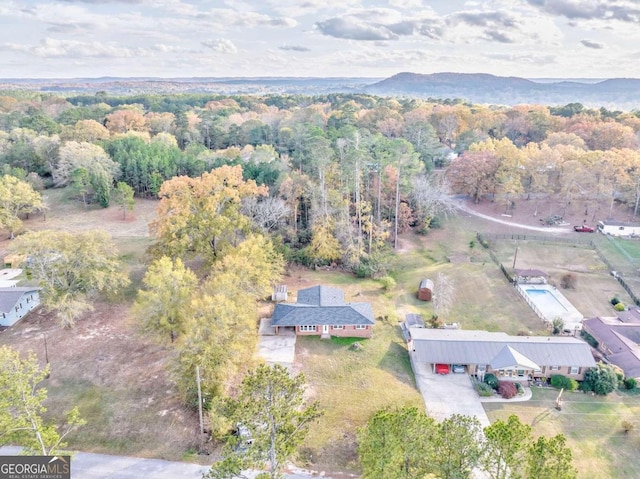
279 293
530 276
425 290
618 228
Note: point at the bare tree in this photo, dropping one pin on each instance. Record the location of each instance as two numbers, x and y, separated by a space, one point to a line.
268 213
443 294
430 196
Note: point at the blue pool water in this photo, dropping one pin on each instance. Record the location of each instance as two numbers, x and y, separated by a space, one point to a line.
546 302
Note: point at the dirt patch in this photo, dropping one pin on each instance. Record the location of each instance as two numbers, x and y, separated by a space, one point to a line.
118 379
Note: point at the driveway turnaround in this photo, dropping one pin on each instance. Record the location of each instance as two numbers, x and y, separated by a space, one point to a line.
276 348
449 394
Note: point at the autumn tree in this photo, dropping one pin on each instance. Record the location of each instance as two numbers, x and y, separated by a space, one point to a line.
202 216
16 198
123 196
122 121
271 410
473 174
324 247
220 334
163 307
22 408
93 158
71 269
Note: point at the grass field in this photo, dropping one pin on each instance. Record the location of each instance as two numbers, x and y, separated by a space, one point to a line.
592 425
594 287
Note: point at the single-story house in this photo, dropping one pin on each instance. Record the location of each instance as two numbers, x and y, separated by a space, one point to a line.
16 302
618 228
425 290
530 276
322 311
516 358
618 339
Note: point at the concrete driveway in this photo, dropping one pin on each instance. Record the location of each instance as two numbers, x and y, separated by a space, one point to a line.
449 394
276 348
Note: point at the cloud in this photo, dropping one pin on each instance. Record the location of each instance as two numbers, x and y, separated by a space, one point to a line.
295 48
591 44
99 2
49 47
354 29
484 19
220 45
498 36
622 10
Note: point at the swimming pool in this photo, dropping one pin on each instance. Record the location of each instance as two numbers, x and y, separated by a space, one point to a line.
546 302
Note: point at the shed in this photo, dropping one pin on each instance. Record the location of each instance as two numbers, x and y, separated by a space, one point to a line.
13 260
530 276
425 290
279 293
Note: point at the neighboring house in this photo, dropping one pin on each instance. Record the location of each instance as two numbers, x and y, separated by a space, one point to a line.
16 303
618 228
425 290
322 311
530 276
618 340
516 358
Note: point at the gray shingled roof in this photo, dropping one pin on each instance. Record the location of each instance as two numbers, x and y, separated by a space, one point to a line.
530 272
321 305
321 296
451 346
426 283
10 296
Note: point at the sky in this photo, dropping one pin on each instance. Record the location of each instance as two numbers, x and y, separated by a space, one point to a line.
318 38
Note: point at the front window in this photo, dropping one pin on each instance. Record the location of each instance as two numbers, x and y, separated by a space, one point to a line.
361 326
521 372
306 328
555 368
574 370
338 327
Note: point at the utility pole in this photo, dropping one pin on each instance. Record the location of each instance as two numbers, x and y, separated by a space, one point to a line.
515 256
199 399
46 354
395 232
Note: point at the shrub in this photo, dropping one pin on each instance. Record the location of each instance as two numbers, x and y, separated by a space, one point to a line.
619 307
568 281
388 283
601 380
519 388
593 342
630 383
491 380
559 381
628 425
614 301
483 389
507 389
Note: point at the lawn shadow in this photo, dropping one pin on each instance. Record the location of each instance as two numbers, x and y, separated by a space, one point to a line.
396 361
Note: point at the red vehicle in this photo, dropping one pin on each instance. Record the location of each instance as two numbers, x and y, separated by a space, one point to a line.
583 229
442 368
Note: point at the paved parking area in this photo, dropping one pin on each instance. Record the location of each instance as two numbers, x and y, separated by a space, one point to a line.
276 348
449 394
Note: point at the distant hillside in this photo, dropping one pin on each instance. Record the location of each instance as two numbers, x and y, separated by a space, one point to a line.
617 93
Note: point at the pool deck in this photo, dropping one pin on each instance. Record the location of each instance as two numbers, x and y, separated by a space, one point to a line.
572 317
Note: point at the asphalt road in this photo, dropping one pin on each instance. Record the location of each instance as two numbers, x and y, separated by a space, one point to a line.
86 465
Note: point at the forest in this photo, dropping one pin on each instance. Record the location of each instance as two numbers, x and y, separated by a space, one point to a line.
345 173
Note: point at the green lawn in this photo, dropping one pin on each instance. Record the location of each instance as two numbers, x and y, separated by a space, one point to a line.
592 424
